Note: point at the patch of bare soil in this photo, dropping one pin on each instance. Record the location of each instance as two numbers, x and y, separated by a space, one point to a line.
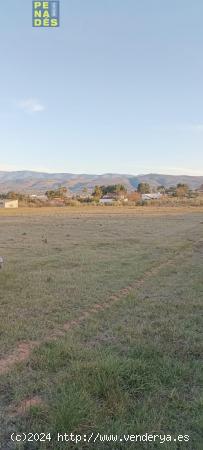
20 354
24 406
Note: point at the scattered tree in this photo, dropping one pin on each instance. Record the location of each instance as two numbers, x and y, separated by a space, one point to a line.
56 193
97 192
161 189
143 188
182 190
113 189
85 191
171 190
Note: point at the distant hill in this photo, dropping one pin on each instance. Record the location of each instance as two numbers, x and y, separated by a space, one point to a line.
38 182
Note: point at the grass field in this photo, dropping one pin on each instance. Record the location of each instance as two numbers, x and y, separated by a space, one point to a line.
100 325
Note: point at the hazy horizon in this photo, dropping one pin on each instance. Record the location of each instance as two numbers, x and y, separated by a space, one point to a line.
101 173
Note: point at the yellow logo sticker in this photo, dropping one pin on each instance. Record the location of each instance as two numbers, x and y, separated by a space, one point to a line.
45 14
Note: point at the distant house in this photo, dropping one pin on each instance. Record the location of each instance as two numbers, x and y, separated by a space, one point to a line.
107 199
8 203
112 198
41 197
153 196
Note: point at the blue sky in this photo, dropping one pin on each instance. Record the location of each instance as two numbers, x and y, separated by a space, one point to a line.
116 88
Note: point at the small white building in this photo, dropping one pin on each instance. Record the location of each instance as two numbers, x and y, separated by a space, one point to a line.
41 197
8 203
107 199
153 196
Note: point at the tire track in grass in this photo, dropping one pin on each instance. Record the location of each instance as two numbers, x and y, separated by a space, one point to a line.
23 351
26 404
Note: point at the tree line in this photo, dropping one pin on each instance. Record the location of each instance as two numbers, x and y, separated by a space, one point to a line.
117 190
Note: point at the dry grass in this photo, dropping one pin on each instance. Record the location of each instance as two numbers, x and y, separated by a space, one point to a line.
103 210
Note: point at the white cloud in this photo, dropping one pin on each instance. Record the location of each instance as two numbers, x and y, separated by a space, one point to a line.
31 105
179 171
196 127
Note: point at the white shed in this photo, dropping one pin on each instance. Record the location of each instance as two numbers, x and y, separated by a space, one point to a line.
8 203
107 200
153 196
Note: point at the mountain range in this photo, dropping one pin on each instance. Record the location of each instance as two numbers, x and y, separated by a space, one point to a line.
31 182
